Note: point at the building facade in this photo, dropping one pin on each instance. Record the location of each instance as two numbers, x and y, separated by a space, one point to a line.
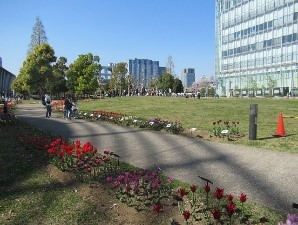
188 77
143 71
256 47
6 79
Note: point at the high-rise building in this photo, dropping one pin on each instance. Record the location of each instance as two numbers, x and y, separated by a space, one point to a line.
143 71
256 47
0 62
188 77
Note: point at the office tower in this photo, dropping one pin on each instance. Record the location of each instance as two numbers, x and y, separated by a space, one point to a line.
188 77
143 71
0 62
256 47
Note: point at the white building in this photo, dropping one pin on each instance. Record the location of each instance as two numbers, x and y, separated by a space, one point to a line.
256 47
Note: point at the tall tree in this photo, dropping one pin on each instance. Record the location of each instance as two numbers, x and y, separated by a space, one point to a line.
38 36
178 86
36 72
170 67
119 77
82 74
58 84
166 82
19 85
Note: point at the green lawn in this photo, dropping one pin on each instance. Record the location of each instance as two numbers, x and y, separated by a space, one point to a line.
200 114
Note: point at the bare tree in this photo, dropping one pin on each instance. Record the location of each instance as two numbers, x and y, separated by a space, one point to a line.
38 36
170 66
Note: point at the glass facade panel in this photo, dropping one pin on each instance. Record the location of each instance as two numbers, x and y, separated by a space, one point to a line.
264 29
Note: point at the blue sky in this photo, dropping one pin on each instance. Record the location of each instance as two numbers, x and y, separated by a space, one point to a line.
115 30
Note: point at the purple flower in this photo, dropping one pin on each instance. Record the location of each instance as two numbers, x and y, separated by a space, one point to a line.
120 178
127 188
292 219
116 184
109 179
170 179
154 185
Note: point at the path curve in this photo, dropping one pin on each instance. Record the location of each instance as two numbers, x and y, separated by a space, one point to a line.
268 178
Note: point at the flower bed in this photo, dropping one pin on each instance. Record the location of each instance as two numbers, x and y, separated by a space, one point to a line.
141 188
117 118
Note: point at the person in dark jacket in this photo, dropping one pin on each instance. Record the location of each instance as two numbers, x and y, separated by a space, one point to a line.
67 108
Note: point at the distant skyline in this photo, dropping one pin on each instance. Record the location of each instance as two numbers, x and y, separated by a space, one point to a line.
115 30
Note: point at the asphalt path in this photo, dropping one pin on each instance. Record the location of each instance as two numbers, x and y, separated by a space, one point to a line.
267 177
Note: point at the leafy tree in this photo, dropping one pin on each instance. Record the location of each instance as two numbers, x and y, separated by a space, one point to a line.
119 74
38 36
37 70
166 82
82 74
211 91
19 85
58 84
178 86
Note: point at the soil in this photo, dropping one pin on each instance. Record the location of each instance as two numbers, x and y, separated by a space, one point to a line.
117 213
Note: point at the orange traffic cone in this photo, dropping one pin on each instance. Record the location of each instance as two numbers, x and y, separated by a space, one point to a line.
280 130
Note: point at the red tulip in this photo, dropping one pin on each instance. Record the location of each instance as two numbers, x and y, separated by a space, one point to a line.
207 188
242 197
193 188
230 208
157 208
216 214
186 215
182 192
230 197
219 193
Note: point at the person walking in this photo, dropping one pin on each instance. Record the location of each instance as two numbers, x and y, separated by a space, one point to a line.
74 110
67 107
48 103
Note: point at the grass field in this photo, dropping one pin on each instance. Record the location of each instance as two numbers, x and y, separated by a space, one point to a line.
200 114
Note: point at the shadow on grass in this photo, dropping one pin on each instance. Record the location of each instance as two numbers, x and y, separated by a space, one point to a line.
275 137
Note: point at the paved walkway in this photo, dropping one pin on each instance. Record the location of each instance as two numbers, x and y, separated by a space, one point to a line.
268 178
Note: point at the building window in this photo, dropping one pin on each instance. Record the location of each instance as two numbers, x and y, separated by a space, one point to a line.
295 16
290 38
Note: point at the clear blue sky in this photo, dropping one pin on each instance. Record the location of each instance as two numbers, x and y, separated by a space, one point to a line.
115 30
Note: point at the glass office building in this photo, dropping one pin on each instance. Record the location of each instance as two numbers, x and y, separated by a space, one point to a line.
143 71
256 47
